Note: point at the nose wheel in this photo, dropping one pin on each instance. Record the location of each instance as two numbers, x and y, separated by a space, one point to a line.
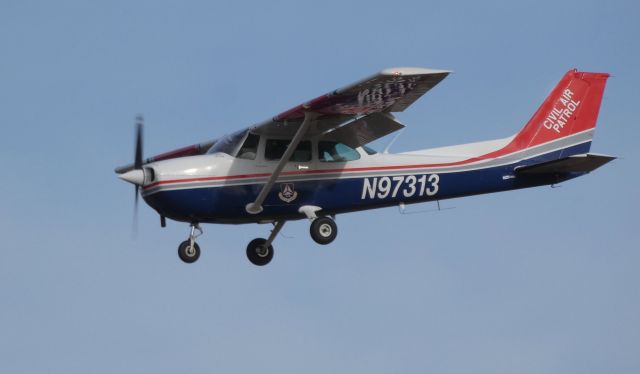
189 253
189 250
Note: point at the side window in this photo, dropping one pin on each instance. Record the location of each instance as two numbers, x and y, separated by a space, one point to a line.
249 148
275 148
370 151
302 152
336 152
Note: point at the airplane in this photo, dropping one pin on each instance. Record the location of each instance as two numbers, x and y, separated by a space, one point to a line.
312 161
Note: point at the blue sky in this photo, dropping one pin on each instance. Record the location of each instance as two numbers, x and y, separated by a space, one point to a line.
539 280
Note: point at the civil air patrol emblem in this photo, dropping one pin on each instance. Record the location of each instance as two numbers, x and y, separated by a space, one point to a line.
287 192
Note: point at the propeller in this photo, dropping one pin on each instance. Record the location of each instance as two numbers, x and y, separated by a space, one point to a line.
137 163
136 176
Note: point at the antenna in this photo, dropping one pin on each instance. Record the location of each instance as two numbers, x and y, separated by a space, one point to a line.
403 208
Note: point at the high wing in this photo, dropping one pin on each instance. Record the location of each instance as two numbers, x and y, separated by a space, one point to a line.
363 107
354 115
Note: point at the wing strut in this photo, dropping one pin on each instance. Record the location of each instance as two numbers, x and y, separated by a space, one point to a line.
256 206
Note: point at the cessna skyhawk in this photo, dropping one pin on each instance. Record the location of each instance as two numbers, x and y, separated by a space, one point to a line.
312 161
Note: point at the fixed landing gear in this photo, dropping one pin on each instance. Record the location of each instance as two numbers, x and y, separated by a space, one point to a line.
260 251
323 230
189 250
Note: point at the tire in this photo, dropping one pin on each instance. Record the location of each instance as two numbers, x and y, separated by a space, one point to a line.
323 230
187 254
258 254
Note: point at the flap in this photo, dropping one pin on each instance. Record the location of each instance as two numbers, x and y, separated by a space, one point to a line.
364 130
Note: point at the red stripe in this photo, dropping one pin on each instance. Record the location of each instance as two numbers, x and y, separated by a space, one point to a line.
324 171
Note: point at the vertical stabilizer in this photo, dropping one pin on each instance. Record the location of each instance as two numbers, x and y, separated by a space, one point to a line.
571 108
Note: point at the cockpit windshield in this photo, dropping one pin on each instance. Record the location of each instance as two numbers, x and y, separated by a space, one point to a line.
229 144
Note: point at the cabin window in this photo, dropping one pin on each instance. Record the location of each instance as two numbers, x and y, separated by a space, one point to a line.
336 152
302 152
249 148
370 151
275 148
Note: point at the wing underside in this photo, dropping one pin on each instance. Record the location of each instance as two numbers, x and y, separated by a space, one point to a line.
391 90
364 130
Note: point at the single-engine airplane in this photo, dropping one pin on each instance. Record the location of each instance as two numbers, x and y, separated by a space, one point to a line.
312 161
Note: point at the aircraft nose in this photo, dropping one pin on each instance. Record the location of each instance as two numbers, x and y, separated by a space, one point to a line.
135 176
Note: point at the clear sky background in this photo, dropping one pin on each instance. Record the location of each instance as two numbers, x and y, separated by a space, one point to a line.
532 281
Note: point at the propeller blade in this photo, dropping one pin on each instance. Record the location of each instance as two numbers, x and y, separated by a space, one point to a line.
137 164
134 224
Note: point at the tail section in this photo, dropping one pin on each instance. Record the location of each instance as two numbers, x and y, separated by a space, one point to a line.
571 108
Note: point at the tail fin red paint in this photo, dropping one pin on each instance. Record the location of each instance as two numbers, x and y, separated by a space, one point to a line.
571 107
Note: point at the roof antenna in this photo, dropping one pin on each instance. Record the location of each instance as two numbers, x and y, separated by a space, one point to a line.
386 150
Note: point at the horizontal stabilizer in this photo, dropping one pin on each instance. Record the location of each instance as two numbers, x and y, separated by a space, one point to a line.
583 163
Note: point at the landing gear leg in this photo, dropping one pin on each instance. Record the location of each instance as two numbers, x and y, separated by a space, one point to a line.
189 250
260 251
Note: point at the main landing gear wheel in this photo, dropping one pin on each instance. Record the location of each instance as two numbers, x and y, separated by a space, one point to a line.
258 253
187 252
323 230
